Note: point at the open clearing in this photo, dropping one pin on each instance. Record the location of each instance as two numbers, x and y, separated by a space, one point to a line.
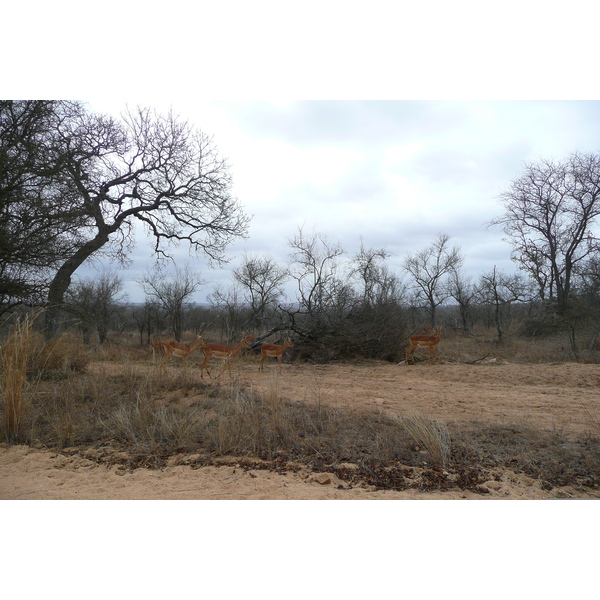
564 397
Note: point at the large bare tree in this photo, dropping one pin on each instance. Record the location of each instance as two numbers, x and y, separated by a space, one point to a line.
549 215
464 291
373 276
316 269
156 170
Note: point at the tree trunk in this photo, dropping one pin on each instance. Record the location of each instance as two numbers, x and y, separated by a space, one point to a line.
102 329
62 280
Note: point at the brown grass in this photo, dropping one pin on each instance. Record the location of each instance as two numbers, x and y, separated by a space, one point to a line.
152 417
16 353
432 435
457 347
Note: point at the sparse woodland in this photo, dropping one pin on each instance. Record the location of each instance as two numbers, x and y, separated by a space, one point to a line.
71 186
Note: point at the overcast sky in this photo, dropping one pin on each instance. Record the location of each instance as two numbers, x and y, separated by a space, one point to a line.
394 173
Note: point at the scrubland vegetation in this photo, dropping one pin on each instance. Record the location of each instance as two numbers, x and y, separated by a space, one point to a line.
110 403
75 185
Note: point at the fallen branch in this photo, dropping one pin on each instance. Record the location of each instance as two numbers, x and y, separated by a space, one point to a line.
472 362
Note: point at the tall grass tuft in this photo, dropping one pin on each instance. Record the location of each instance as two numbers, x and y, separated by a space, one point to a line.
432 435
16 352
61 357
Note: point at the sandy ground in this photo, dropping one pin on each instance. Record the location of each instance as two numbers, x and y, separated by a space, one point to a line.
564 397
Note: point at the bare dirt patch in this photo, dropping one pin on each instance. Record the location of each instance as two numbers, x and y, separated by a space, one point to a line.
550 396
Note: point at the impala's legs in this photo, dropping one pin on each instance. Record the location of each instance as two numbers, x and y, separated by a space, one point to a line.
203 367
166 355
411 353
226 365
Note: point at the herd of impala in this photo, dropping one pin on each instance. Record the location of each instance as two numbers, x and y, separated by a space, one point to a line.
210 350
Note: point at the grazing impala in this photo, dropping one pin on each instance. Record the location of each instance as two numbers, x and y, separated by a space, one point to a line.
425 341
214 350
273 350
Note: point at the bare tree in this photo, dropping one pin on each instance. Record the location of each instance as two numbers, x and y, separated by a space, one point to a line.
345 308
156 170
549 215
95 302
316 269
372 275
148 319
262 280
228 303
499 291
463 290
173 293
430 269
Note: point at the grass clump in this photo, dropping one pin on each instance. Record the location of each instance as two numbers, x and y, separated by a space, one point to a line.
431 434
16 352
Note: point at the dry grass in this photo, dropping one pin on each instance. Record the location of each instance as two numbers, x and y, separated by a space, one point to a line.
432 435
60 357
144 415
119 405
457 347
26 361
245 423
16 353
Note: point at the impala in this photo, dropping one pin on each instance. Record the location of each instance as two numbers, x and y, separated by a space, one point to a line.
273 350
156 347
174 348
214 350
425 341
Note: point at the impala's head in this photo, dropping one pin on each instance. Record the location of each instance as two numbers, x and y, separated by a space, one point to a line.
288 343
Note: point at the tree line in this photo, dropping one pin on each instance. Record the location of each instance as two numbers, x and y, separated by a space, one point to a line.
344 306
73 184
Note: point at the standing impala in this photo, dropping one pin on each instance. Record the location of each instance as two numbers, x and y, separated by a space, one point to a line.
273 350
222 351
425 341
